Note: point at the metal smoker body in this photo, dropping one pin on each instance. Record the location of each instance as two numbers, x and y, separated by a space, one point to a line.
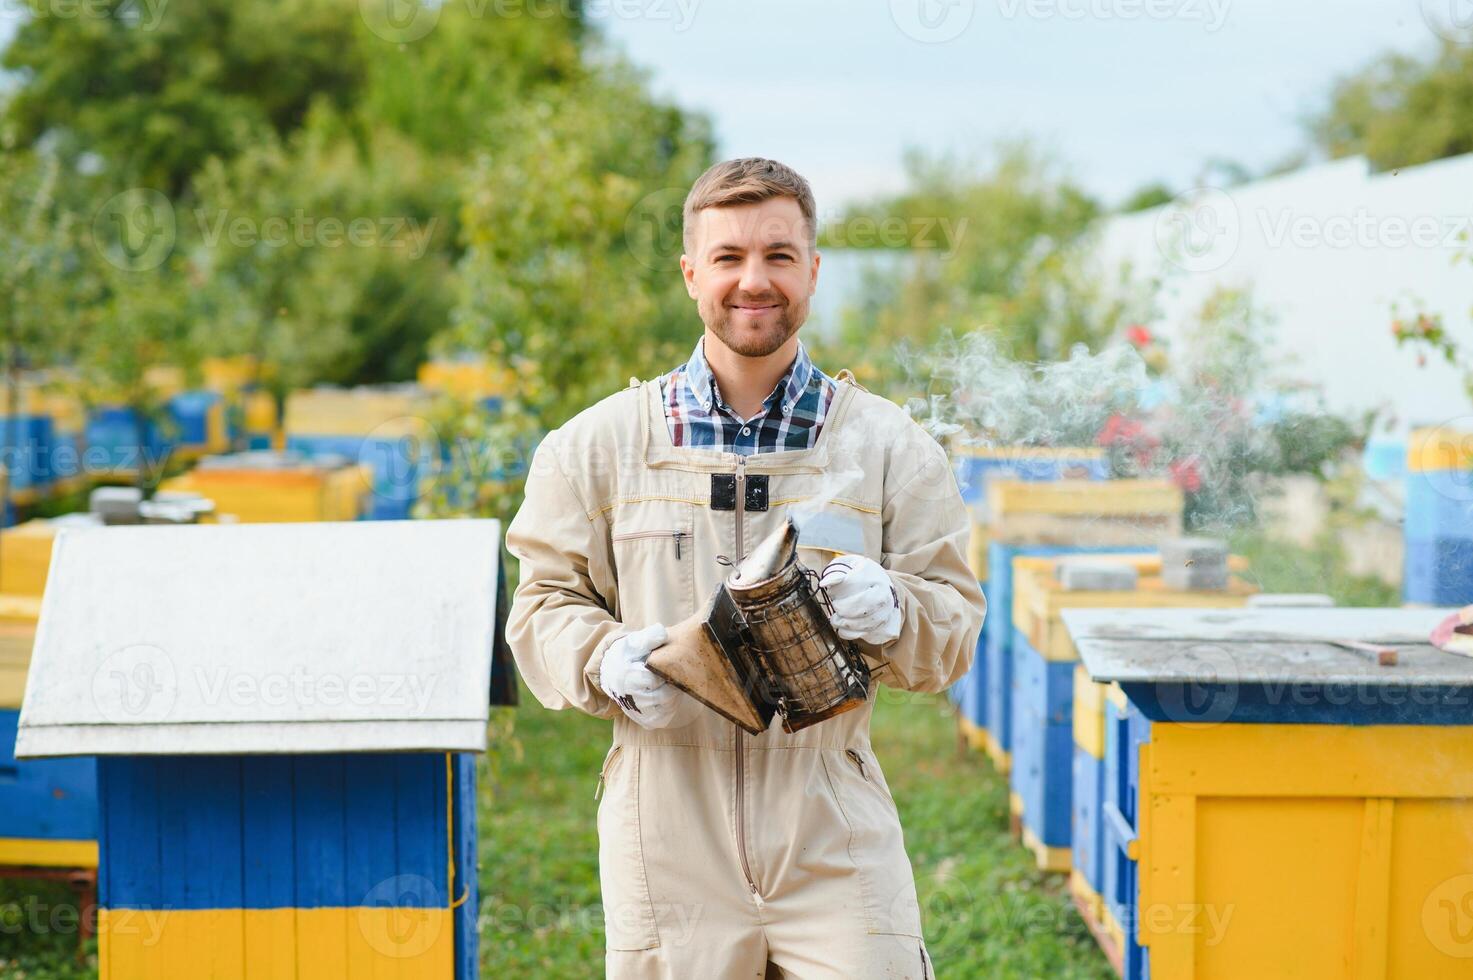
764 646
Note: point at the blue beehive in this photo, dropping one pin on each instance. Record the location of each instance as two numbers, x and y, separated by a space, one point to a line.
117 443
287 717
27 445
1438 530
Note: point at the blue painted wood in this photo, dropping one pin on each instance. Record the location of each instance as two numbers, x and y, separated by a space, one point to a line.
422 838
26 446
49 799
113 442
280 831
130 870
270 859
1438 571
320 832
189 411
1303 704
1086 829
467 878
399 466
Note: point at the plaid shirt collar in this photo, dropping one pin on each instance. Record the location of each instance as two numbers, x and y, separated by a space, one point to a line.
706 391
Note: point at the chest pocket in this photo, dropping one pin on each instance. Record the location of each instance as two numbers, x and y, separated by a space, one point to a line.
654 555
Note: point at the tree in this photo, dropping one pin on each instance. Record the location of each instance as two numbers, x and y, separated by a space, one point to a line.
1399 110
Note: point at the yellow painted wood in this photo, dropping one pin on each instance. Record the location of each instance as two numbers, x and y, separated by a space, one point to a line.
33 852
1439 448
1039 599
975 735
1116 933
1015 804
386 412
1092 901
25 557
1055 859
305 493
1372 892
260 412
276 944
1002 759
977 546
1089 713
467 379
1099 498
1116 696
270 944
1312 851
1313 760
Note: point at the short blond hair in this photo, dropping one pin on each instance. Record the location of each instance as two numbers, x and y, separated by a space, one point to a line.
749 180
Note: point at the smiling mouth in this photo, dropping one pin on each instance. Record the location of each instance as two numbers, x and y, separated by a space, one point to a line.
754 310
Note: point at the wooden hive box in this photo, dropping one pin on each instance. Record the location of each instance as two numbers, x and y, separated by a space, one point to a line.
1258 770
286 718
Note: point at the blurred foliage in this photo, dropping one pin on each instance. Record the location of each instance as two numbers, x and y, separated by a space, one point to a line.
1427 334
39 260
1000 244
1401 110
148 91
571 275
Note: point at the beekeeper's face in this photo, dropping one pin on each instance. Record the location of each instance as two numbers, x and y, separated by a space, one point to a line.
751 272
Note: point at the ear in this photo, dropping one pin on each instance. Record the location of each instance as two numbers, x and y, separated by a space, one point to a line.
813 272
688 272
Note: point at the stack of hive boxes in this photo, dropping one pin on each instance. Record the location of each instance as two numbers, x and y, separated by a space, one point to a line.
1045 759
975 467
1048 519
1438 529
385 429
257 487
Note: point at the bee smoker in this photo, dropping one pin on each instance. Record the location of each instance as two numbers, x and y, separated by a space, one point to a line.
763 646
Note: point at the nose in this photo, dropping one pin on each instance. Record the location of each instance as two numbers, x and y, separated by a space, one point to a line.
754 279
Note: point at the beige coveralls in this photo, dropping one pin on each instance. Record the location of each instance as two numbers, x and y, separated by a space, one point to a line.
721 853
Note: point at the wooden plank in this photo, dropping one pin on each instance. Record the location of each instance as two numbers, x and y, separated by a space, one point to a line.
1370 932
1312 760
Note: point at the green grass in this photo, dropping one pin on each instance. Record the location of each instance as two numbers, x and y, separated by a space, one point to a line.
987 911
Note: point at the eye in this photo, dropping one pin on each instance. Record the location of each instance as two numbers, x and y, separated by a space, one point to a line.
781 256
723 258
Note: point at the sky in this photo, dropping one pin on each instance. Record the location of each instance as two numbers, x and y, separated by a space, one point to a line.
1123 92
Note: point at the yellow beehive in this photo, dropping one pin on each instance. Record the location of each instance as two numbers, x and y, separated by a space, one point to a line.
381 412
285 495
977 550
1439 448
1039 599
228 375
469 379
25 557
1084 512
17 635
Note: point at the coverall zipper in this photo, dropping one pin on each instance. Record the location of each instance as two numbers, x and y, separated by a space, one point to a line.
677 535
741 826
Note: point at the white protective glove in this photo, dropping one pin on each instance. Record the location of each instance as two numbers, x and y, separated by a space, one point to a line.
866 604
650 701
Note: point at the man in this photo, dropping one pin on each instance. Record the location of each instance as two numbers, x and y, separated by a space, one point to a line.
720 854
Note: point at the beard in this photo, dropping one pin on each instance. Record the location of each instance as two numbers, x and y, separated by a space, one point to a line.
751 338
